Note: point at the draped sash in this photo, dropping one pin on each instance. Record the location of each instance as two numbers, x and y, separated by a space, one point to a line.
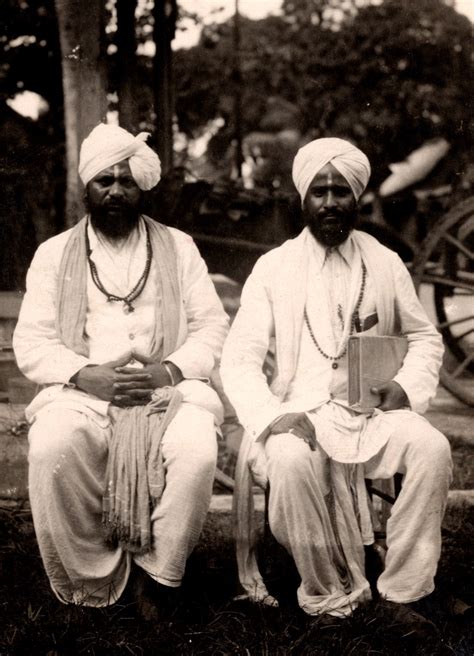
289 288
71 300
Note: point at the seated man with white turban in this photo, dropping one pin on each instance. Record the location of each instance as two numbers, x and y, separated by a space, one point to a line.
309 295
121 326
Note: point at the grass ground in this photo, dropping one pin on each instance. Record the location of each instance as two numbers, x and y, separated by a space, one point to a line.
208 621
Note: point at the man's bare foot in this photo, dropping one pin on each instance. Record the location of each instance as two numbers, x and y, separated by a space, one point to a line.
407 620
155 602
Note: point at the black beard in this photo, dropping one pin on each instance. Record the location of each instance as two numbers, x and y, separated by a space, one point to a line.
117 225
327 234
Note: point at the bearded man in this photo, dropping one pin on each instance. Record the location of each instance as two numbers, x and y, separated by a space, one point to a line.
122 326
309 295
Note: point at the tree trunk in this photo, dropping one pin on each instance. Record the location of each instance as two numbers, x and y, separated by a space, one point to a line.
165 22
81 33
237 78
126 64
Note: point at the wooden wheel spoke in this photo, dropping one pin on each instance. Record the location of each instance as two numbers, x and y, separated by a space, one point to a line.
454 322
464 334
436 279
465 292
459 245
465 363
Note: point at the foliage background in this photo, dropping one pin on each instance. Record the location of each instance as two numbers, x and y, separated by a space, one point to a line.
387 74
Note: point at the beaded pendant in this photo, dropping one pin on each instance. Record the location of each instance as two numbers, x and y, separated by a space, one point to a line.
355 322
136 291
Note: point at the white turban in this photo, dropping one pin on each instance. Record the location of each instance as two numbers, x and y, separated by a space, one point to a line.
107 145
346 158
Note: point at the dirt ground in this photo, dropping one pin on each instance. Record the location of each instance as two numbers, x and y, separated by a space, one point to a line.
209 621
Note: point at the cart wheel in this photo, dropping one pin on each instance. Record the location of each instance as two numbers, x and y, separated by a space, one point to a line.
446 261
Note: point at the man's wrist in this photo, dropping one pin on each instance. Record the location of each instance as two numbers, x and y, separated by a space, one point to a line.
174 372
74 381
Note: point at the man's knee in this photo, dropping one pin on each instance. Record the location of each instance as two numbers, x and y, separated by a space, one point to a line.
55 434
288 457
427 446
431 443
192 439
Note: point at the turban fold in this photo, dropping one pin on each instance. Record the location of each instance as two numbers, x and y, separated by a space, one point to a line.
107 145
346 158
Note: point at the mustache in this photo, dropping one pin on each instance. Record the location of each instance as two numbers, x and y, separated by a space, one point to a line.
117 203
336 213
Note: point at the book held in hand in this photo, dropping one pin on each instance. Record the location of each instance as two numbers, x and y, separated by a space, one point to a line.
372 361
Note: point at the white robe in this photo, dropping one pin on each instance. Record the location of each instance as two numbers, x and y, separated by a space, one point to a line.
70 429
272 305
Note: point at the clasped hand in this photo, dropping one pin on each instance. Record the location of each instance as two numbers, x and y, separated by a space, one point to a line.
120 384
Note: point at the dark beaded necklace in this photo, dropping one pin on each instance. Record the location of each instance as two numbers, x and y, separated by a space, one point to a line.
354 320
139 287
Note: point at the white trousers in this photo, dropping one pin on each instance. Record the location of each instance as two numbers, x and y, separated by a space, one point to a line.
299 514
67 463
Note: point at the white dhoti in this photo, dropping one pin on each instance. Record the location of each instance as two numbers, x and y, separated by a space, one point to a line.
302 521
67 464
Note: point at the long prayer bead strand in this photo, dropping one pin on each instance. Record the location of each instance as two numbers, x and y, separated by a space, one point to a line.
355 314
138 288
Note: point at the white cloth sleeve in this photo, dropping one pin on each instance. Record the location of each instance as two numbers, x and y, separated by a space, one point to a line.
419 374
207 322
244 353
40 354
